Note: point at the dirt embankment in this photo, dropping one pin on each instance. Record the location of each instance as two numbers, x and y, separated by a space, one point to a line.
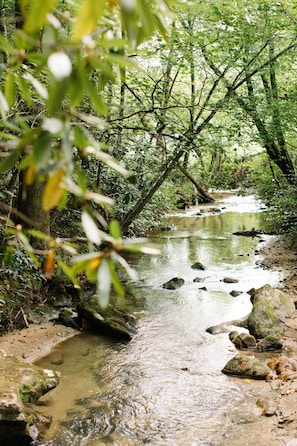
281 255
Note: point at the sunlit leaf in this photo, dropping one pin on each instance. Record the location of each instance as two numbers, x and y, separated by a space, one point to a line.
4 107
52 125
30 174
130 271
35 12
9 89
67 270
53 191
103 283
90 228
40 235
88 14
49 265
59 65
41 90
115 229
107 159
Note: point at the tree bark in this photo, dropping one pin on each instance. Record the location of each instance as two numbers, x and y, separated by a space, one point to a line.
203 194
30 205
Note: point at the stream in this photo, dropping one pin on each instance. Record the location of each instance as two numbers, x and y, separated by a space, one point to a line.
165 386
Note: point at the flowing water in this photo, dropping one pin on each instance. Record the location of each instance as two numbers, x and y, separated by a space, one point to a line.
165 387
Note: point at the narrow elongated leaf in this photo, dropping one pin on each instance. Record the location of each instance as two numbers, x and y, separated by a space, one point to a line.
10 161
90 228
9 89
42 149
35 12
116 283
88 14
69 273
53 191
49 265
103 283
115 229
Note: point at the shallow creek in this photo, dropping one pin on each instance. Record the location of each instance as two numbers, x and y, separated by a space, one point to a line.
165 387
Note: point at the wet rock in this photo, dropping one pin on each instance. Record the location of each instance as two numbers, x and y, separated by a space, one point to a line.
252 233
110 320
235 293
197 279
230 280
21 385
56 356
217 329
224 327
270 309
198 265
69 318
173 284
245 366
269 343
242 341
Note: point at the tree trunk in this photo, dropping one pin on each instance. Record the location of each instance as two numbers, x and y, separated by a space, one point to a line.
153 187
30 206
203 194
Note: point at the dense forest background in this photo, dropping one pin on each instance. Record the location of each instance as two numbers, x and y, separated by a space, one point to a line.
115 113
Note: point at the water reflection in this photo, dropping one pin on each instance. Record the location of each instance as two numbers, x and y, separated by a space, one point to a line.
165 387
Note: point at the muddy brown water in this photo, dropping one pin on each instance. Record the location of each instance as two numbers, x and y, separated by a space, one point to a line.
165 386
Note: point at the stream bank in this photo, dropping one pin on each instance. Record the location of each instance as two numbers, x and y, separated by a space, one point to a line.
187 371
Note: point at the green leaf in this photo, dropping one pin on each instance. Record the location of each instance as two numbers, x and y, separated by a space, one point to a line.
9 88
118 287
97 103
56 94
115 229
35 12
10 161
68 271
24 90
88 15
42 149
103 283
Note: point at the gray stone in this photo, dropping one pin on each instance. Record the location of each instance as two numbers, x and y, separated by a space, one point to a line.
245 366
242 341
198 265
173 284
230 280
21 385
269 343
270 309
109 320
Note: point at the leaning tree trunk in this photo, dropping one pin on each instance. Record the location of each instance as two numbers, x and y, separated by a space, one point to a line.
204 196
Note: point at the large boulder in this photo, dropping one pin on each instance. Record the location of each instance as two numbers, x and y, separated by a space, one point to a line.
21 385
270 309
245 366
109 320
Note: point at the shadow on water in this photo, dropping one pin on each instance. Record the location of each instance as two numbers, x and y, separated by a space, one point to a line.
165 386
